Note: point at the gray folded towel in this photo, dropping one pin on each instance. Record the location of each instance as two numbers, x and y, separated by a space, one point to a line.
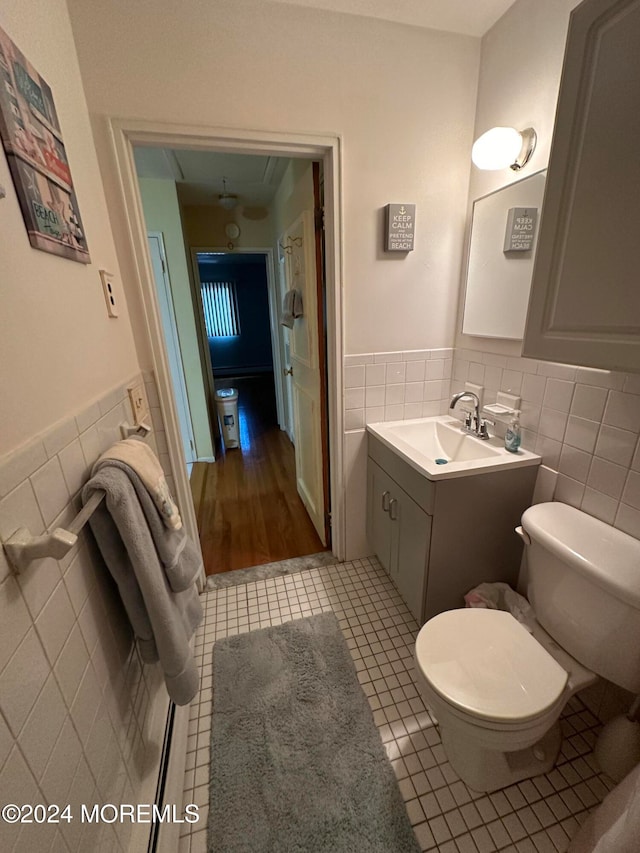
291 308
149 562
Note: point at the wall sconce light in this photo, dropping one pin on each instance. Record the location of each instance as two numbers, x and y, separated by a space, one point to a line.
225 199
504 146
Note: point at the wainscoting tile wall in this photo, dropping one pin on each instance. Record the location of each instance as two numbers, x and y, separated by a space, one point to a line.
585 424
81 717
394 386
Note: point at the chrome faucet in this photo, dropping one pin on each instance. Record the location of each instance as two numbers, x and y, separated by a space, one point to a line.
473 423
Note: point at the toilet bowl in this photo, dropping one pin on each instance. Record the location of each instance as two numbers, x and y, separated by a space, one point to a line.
497 694
496 690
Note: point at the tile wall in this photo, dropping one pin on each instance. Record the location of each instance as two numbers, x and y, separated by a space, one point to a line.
81 717
585 424
394 386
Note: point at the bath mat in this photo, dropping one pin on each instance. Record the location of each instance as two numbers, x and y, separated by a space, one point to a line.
297 764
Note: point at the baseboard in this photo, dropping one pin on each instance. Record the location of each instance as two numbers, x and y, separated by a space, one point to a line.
142 835
168 837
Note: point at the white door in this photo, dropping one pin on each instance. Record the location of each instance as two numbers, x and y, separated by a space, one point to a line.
285 347
163 289
298 243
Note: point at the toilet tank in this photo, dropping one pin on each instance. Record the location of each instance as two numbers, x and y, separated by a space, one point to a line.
584 586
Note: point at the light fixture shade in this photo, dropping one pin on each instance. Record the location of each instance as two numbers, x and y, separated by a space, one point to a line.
503 147
227 200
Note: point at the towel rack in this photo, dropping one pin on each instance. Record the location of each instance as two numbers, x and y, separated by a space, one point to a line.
22 547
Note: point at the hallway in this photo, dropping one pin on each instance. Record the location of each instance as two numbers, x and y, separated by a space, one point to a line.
246 503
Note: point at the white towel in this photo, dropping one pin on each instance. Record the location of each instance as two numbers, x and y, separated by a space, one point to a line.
139 456
291 308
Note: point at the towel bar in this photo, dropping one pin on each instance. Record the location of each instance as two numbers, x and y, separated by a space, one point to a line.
22 548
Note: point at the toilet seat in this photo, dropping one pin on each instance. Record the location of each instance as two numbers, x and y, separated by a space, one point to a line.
485 665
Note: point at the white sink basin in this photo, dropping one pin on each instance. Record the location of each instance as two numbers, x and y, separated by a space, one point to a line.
424 440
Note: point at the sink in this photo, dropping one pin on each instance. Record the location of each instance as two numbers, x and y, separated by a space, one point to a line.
422 441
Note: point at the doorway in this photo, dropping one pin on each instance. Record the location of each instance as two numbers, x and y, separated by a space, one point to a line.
248 504
126 134
254 329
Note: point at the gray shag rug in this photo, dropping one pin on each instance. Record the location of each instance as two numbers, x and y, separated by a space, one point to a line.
297 764
270 570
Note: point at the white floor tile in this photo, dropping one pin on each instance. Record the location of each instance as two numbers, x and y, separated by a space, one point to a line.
535 816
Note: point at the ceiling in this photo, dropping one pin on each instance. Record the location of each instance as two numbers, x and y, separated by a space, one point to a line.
469 17
199 174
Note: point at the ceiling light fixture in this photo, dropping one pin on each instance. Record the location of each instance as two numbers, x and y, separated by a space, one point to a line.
504 146
225 199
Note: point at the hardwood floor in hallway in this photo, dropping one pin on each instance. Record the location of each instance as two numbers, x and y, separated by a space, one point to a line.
246 503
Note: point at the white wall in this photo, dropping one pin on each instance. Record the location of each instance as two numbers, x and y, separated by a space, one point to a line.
81 717
520 68
58 348
585 423
402 99
162 213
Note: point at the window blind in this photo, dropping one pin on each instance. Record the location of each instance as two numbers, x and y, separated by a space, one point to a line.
220 305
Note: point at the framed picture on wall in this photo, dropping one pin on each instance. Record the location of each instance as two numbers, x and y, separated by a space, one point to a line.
33 144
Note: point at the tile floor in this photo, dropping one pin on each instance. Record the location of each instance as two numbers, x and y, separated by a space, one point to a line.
536 816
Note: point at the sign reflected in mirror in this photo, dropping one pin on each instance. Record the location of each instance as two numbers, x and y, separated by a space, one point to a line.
499 279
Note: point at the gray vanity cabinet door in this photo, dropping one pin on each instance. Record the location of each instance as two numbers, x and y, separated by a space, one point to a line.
399 532
379 489
410 537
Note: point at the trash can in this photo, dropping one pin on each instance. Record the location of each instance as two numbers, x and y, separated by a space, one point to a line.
227 406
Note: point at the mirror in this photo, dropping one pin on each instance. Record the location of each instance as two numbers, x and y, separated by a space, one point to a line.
500 263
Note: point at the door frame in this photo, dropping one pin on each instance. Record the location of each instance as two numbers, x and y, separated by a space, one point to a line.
267 254
125 133
173 344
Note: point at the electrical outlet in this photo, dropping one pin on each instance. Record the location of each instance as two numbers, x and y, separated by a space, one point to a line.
139 404
109 290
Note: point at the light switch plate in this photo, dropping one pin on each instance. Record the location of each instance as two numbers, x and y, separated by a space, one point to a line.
109 289
139 404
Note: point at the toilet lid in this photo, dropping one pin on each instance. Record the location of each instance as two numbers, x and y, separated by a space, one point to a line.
485 663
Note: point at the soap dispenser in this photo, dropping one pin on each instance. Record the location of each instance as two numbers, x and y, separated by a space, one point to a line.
512 437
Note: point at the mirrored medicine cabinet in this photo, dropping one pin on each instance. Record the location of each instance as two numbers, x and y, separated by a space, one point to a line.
499 264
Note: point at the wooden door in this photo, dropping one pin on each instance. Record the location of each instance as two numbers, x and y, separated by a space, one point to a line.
298 244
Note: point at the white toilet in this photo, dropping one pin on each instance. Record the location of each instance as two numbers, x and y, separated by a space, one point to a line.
496 690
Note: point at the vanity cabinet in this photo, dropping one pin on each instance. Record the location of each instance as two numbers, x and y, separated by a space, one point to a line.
585 300
399 531
438 539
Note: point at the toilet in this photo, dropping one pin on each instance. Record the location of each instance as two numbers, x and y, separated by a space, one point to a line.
497 690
